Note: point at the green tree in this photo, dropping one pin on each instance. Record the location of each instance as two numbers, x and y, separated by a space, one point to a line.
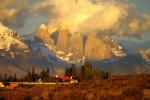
10 78
5 77
88 73
67 72
72 71
15 78
1 78
45 75
29 76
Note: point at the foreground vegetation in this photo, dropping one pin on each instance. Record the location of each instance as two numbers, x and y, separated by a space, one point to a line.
135 87
83 73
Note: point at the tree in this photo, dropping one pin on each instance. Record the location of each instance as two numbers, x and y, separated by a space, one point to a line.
88 73
5 77
10 78
34 75
1 78
47 72
45 75
67 72
72 71
15 78
97 74
29 76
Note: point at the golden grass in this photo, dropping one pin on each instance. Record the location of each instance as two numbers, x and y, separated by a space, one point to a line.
134 87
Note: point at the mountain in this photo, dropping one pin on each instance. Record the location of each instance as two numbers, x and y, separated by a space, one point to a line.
62 43
91 46
133 47
131 64
9 67
77 45
96 49
11 42
146 55
76 48
44 35
16 56
63 48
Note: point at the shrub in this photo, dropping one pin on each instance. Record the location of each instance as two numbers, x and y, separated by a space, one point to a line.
2 97
27 97
132 92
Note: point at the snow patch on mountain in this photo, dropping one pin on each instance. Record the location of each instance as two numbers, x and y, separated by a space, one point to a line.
9 41
146 55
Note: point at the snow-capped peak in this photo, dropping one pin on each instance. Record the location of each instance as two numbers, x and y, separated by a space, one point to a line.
146 55
4 30
43 27
9 40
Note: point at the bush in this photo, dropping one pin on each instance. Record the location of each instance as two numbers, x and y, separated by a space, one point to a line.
27 97
2 97
129 92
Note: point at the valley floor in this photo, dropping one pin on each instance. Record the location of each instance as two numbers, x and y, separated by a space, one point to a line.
136 87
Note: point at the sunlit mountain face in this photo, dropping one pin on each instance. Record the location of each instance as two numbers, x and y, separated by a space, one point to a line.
58 33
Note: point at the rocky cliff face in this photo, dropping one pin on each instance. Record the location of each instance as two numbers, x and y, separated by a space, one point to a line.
62 43
76 44
146 55
44 35
73 46
96 48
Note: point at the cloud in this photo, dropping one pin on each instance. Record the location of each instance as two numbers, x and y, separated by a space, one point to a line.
107 16
139 23
13 12
87 16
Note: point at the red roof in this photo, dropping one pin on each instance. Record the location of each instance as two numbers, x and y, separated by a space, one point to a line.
65 78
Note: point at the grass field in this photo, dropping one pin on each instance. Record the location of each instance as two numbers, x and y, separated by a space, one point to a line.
136 87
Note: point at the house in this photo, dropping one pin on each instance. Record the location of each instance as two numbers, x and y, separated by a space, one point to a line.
68 79
1 85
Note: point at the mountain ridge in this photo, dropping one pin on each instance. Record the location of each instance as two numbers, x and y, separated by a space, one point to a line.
13 49
61 49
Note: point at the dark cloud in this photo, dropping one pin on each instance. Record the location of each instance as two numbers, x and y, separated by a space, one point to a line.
13 12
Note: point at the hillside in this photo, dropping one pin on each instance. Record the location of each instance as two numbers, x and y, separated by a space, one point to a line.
16 55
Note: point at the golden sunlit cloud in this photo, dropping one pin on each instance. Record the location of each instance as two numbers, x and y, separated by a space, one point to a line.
107 16
86 16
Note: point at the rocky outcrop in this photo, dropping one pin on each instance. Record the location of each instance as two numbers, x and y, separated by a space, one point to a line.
76 44
62 43
146 55
44 35
116 49
96 48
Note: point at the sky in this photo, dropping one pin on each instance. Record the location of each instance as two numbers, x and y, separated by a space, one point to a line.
142 5
128 19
